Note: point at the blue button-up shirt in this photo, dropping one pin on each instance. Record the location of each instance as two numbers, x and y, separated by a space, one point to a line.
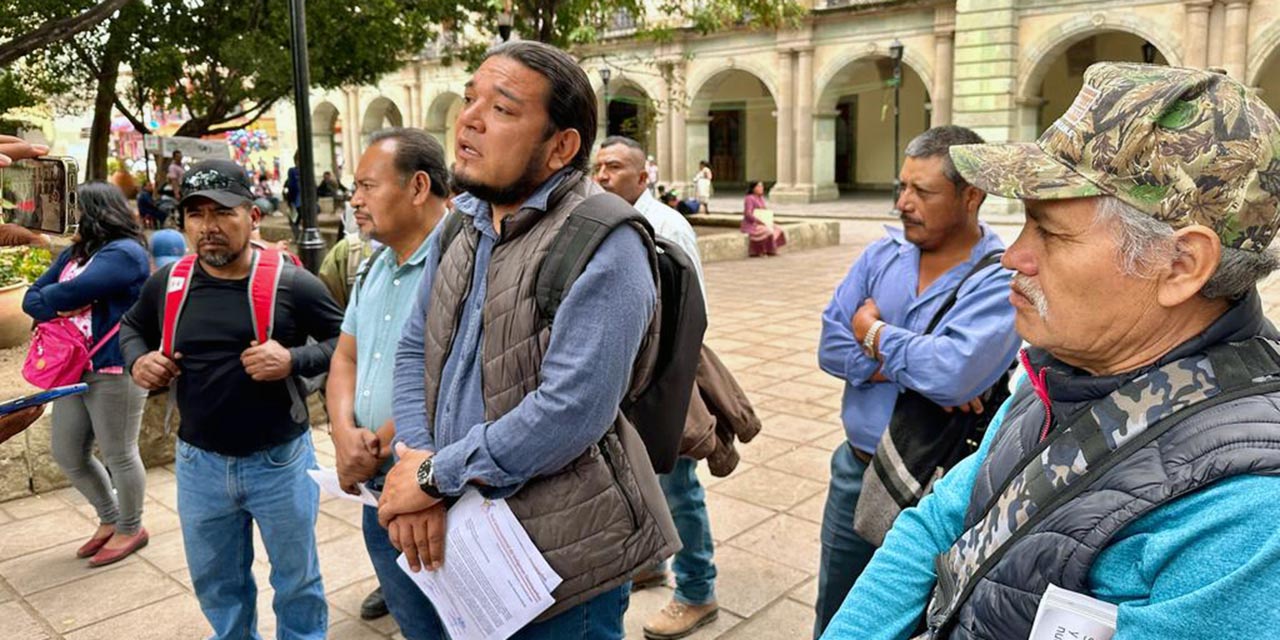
586 370
966 353
380 304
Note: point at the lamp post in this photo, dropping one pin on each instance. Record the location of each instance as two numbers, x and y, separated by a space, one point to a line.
605 74
895 52
1148 52
312 246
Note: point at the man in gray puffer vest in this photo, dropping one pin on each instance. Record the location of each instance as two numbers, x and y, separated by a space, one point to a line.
1137 464
488 395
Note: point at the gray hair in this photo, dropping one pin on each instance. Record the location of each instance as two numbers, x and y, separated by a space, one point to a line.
938 142
1146 244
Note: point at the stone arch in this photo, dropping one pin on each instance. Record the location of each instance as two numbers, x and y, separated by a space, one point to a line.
381 113
441 118
699 80
1041 54
631 111
911 59
732 123
1265 51
326 140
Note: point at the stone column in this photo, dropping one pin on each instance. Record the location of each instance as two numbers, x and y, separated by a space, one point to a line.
944 40
351 132
1235 47
786 143
697 145
824 156
1197 33
665 144
678 174
1217 30
411 100
804 123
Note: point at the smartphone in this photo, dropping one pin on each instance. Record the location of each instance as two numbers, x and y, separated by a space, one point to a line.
42 397
40 194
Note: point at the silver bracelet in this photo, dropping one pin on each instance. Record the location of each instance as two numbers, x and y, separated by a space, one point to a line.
869 342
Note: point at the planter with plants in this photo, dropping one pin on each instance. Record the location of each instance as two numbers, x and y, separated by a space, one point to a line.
19 267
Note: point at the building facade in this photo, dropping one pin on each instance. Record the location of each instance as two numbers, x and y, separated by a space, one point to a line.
811 111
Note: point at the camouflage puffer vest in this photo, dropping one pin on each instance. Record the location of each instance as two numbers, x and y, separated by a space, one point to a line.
603 516
1053 503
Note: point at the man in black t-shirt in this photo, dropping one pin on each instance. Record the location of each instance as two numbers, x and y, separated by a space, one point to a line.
243 450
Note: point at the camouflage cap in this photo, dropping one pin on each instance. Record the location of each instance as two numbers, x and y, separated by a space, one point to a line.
1183 145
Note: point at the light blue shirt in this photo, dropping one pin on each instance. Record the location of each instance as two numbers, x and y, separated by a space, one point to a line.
586 370
381 302
966 353
1201 566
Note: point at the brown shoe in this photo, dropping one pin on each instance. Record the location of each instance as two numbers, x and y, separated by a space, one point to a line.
649 578
677 620
110 556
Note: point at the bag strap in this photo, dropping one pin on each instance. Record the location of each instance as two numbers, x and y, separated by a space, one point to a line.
103 342
1071 459
365 267
264 281
175 298
449 229
576 242
991 258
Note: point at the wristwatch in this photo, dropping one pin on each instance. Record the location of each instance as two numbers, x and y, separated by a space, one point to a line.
427 479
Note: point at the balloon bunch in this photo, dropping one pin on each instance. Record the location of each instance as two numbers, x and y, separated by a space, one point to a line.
246 141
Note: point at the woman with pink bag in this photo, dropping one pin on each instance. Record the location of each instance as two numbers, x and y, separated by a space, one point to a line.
87 289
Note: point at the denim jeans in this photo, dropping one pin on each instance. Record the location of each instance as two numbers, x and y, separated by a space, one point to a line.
408 605
219 500
844 553
694 564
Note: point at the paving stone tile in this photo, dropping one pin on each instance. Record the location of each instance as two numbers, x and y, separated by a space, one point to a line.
353 630
166 552
785 619
795 408
806 594
821 379
41 570
347 511
166 493
5 518
158 518
157 475
808 462
765 350
832 439
786 539
764 447
779 370
726 345
7 593
22 537
33 506
348 598
707 480
647 602
768 488
329 528
811 509
18 624
730 516
344 562
174 618
737 361
746 583
795 428
105 594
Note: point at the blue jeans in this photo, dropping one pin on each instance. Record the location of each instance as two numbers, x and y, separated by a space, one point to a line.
694 566
844 553
219 499
408 605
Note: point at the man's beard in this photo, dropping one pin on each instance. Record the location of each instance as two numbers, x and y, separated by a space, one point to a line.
513 193
220 257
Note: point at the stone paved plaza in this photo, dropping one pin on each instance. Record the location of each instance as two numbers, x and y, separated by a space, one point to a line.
765 318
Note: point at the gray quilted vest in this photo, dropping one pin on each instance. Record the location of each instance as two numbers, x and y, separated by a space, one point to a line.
1042 509
603 516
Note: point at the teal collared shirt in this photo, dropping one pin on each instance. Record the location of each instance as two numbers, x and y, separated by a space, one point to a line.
375 315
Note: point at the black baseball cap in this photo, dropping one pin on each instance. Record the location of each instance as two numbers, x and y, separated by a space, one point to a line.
221 181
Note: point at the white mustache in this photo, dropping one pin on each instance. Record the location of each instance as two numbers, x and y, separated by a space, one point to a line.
1028 287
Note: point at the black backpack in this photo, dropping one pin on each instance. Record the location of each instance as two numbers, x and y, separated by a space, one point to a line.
657 409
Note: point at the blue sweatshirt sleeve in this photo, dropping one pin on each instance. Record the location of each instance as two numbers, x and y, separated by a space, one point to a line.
409 406
839 352
585 373
116 267
966 353
892 592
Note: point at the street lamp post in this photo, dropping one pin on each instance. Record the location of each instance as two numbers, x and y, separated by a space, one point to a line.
895 52
605 74
312 246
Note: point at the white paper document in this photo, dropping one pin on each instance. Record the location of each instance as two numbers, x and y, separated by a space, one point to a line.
328 481
1067 615
494 581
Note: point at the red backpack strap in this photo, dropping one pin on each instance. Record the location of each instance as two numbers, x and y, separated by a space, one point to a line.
175 296
264 278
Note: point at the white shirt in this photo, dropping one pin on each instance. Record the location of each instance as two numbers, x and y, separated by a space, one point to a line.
670 225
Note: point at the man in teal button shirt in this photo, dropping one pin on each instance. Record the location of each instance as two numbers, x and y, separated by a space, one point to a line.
401 187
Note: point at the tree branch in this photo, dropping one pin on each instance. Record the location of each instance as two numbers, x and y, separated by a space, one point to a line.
57 30
261 109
